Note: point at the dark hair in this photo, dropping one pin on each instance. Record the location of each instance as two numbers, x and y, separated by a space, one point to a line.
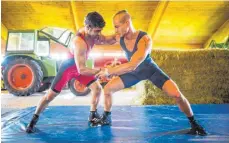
94 19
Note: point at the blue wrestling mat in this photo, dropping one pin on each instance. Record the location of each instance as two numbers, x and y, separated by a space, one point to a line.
131 124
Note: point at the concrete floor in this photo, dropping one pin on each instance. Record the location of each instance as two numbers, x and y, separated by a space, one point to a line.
10 102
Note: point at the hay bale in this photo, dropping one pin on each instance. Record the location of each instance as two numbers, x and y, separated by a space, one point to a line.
202 76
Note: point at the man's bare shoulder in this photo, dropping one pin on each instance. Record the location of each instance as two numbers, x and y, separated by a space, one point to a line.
79 42
145 39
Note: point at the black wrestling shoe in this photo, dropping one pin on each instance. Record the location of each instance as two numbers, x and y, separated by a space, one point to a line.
30 127
105 119
93 116
197 129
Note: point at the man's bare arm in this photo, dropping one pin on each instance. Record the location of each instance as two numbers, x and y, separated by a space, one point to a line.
80 49
144 47
107 40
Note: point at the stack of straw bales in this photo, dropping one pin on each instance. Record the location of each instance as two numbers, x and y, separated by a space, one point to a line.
201 75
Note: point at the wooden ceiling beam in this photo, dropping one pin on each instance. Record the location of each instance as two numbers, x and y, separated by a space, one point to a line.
156 18
74 15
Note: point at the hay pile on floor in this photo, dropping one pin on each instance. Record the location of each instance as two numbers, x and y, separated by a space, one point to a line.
202 76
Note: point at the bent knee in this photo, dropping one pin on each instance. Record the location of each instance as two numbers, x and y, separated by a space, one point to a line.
175 94
179 97
107 90
98 90
50 96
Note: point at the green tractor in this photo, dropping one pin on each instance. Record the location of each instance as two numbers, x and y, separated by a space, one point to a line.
27 66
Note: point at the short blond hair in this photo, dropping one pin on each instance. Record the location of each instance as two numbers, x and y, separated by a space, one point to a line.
125 15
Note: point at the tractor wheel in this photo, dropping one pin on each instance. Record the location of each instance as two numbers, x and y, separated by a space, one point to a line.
44 87
77 88
22 76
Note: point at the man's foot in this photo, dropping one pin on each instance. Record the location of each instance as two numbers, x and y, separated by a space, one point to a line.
197 129
94 115
30 127
105 119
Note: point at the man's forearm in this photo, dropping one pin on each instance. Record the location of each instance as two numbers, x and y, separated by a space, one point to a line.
89 71
122 69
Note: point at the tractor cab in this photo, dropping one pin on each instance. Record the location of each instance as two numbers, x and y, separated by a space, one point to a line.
60 35
27 42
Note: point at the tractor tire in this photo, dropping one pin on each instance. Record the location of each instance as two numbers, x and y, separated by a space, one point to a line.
44 87
77 88
22 76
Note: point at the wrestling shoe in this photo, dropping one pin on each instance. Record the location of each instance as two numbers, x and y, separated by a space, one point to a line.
105 119
93 116
197 129
30 127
